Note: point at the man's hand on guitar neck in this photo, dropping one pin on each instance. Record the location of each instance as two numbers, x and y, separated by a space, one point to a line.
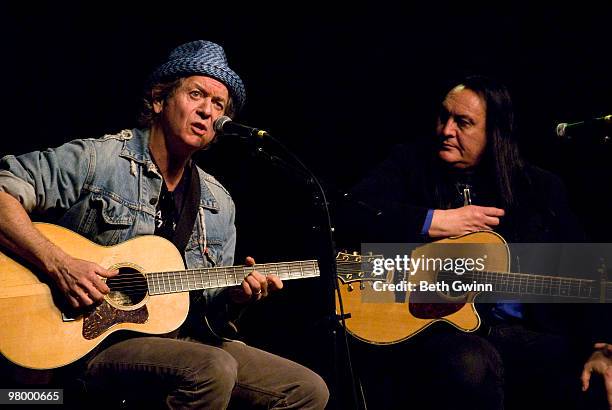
459 221
255 286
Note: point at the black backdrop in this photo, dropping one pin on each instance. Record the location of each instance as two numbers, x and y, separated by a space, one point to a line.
339 87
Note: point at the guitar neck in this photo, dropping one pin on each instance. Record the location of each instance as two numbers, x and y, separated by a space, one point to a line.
541 285
224 276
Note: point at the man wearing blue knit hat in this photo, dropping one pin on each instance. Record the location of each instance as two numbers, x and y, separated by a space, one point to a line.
140 182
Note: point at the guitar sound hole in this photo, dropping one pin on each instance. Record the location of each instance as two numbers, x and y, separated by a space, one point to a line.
448 290
454 294
128 288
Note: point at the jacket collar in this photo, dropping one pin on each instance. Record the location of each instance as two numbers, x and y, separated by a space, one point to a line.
137 147
137 150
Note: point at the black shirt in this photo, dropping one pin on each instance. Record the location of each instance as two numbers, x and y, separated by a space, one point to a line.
171 205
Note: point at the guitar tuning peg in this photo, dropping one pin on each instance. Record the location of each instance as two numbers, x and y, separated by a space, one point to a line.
350 287
361 286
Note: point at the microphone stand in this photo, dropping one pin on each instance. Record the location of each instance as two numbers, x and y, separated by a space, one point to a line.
327 256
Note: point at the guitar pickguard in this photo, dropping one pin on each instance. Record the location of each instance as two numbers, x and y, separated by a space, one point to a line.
99 320
433 310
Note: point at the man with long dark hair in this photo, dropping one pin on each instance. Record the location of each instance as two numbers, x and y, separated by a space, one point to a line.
469 178
422 186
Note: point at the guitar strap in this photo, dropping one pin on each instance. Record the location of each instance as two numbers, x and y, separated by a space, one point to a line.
184 227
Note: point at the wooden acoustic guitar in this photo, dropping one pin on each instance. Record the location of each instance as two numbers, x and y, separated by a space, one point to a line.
149 295
386 317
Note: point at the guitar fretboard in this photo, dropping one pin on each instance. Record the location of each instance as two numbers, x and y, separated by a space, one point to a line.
224 276
540 285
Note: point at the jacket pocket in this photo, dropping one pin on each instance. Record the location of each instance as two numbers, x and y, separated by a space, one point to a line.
197 255
213 251
107 221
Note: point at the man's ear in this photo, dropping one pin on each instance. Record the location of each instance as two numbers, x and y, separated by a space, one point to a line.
158 105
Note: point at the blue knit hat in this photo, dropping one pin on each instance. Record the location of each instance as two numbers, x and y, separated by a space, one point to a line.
203 58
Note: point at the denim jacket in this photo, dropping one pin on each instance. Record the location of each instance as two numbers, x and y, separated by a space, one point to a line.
106 190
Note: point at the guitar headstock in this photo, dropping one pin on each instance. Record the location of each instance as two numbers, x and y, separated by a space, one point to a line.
353 267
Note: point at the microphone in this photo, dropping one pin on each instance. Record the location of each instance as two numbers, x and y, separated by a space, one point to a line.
589 127
225 125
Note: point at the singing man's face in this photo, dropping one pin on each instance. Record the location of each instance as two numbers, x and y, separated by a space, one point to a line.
188 114
462 128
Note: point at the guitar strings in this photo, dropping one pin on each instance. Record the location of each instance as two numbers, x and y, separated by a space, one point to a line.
192 278
581 288
136 281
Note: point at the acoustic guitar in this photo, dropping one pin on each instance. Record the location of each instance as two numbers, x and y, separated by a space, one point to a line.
376 316
150 295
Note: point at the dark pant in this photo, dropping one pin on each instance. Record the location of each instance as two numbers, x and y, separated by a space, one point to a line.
509 367
541 370
188 374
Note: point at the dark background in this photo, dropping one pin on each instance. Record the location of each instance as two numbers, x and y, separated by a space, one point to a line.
339 88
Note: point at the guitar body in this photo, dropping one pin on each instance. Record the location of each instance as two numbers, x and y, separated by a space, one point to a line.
33 332
386 317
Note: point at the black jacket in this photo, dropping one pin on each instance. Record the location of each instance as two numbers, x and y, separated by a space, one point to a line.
408 183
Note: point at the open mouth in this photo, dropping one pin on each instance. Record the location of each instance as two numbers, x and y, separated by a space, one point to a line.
199 129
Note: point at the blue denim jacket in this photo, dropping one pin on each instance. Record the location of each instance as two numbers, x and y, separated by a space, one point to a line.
106 189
